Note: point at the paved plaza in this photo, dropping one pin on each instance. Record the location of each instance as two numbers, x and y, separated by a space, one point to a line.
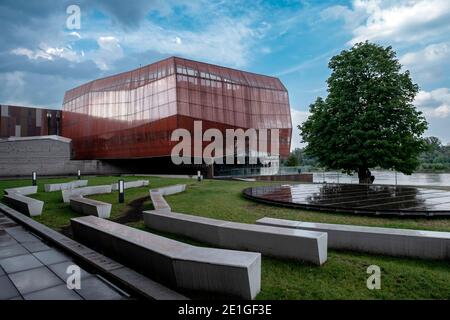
32 270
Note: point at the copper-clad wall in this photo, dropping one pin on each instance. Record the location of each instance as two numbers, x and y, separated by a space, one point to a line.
19 121
133 114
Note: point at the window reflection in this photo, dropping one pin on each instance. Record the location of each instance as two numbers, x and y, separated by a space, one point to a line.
147 104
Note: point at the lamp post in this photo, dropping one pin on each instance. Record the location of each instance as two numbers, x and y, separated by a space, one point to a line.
199 177
49 123
121 191
34 178
79 174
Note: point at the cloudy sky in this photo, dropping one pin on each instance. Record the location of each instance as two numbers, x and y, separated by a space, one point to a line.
40 57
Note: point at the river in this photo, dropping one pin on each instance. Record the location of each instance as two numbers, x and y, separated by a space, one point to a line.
387 177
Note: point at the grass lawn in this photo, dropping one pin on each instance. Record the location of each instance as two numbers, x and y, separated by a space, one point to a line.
342 277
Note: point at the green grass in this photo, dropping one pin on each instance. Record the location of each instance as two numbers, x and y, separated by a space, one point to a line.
342 277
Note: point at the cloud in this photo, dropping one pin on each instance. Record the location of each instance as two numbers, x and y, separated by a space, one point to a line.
130 14
225 41
47 53
352 18
109 51
434 104
323 58
395 21
75 34
298 117
37 50
429 64
31 89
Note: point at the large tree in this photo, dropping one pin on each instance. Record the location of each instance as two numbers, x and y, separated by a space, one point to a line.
368 119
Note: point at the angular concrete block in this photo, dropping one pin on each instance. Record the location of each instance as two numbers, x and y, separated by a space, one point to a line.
272 241
385 241
131 184
65 186
169 190
85 191
159 203
91 207
178 264
28 206
22 190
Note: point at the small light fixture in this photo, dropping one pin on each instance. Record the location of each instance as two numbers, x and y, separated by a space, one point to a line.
121 191
34 178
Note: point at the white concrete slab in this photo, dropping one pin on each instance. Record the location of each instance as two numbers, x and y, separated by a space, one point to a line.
91 207
22 190
159 203
271 241
85 191
177 264
28 206
385 241
65 186
131 184
169 190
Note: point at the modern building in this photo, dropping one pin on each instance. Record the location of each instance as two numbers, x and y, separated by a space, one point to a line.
126 121
18 121
133 114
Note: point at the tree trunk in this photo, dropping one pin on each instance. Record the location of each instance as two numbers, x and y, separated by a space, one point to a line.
365 176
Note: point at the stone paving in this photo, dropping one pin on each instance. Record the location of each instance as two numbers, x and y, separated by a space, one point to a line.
32 270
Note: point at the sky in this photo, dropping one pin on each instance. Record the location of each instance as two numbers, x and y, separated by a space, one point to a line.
41 56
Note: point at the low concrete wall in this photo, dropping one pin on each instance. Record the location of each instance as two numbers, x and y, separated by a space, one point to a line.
65 186
85 191
386 241
301 177
169 190
47 155
158 201
131 184
91 207
28 206
178 264
277 242
22 190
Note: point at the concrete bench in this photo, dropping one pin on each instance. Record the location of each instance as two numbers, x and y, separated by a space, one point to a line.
28 206
177 264
385 241
90 207
65 186
271 241
85 191
159 203
131 184
22 190
245 179
169 190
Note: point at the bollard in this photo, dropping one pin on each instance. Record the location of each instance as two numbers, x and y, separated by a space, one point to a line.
34 178
79 174
121 191
199 177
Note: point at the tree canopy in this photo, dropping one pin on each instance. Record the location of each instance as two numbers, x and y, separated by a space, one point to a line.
368 118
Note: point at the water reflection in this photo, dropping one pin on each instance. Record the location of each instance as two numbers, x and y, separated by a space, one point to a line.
387 178
357 198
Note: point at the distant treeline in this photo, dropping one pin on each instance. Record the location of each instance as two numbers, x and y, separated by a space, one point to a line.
435 159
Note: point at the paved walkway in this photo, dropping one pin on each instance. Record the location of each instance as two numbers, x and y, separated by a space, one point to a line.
31 270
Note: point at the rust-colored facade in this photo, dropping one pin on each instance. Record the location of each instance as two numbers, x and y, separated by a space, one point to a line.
18 121
133 114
